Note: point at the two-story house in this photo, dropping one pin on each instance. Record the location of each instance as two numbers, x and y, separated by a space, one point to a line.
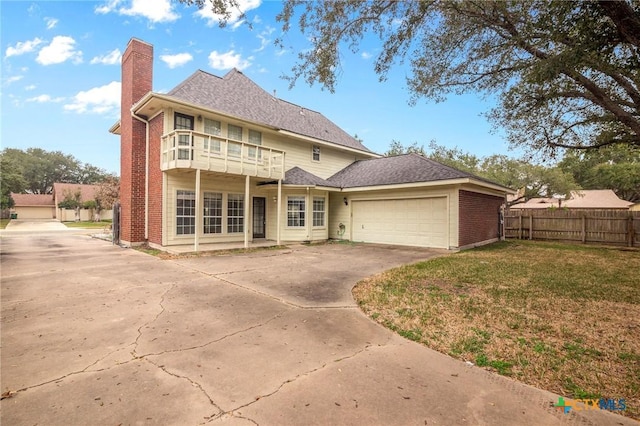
219 159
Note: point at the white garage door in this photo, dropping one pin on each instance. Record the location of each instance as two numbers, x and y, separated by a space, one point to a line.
413 222
29 212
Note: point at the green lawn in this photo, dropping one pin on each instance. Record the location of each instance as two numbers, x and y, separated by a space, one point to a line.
565 318
4 223
88 224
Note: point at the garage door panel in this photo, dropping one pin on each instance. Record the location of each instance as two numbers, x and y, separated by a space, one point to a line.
417 221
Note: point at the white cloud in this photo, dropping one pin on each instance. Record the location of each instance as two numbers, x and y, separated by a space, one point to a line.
212 19
60 50
107 7
264 38
366 55
228 60
30 87
154 10
177 60
22 47
41 99
111 58
13 79
99 100
51 23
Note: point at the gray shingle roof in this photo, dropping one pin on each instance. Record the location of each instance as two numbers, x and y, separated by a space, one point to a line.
237 95
298 176
408 168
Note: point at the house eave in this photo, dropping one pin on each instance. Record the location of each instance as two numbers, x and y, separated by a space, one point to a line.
433 183
115 129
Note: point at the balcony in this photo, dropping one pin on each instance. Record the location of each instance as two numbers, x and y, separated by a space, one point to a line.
187 149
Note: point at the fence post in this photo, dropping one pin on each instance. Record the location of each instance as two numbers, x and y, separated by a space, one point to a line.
520 225
630 230
584 228
530 226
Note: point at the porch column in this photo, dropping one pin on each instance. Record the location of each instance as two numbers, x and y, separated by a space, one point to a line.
278 211
198 212
246 212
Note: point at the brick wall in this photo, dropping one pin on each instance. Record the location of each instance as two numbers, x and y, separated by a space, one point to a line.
478 217
137 75
156 126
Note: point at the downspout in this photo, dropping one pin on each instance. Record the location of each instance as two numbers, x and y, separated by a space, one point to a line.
309 209
146 175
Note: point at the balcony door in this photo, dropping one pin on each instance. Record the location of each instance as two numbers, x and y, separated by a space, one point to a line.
185 142
259 218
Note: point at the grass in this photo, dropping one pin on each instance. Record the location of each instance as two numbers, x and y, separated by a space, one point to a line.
561 317
88 224
4 223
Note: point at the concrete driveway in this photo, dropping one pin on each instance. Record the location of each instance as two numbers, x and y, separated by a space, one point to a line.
96 334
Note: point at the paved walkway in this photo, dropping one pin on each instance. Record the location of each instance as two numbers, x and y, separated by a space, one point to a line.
96 334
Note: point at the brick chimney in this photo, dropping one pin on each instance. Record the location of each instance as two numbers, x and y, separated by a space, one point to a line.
137 76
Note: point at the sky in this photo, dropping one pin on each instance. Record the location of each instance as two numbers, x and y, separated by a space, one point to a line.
60 79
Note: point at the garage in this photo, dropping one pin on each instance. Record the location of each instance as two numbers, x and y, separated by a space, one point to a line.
33 206
407 221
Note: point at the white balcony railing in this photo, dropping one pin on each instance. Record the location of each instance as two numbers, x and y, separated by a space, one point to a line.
187 149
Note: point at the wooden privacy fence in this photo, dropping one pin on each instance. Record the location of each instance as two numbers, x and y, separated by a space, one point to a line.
617 227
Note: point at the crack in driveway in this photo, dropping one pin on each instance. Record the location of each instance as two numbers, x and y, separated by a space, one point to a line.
187 378
298 376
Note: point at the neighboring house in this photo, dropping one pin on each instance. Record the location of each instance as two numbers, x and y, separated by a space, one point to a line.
33 206
219 159
581 199
87 193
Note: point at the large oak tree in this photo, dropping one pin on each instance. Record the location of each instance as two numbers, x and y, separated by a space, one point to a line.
566 73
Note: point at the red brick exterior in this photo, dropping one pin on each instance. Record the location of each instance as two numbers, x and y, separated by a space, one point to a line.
478 217
156 126
137 75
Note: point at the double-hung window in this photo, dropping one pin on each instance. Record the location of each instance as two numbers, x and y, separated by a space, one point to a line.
234 133
295 211
255 138
212 127
212 213
315 153
235 213
184 122
318 211
185 212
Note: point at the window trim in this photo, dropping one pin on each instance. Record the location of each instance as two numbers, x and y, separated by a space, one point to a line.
192 217
235 143
218 196
216 147
240 216
315 149
300 214
323 212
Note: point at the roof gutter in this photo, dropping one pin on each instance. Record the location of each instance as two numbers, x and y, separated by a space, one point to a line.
431 183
